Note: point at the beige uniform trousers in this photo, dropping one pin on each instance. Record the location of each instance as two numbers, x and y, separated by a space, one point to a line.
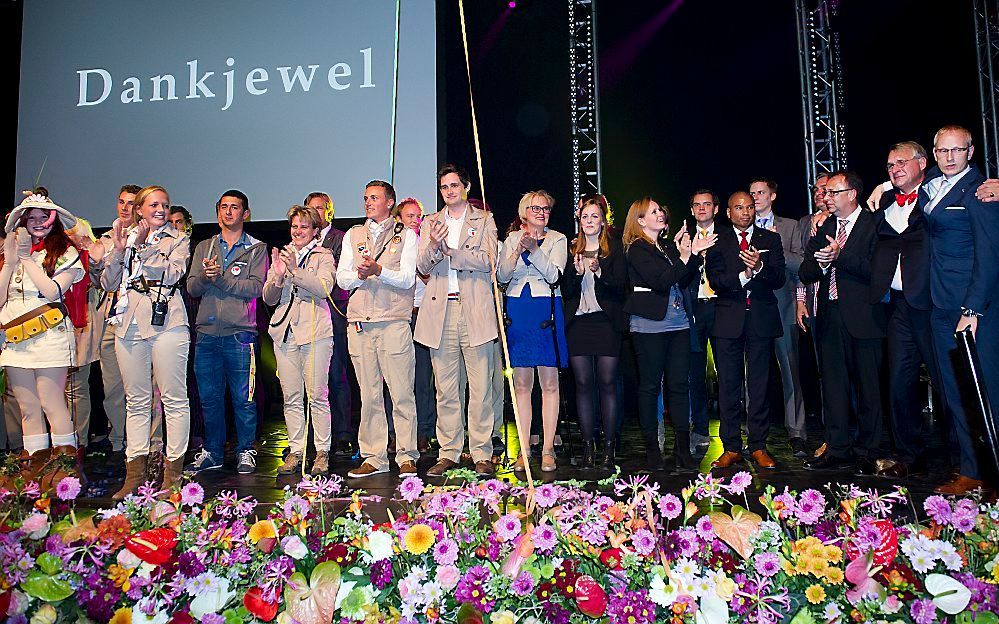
384 350
478 362
166 354
295 364
114 390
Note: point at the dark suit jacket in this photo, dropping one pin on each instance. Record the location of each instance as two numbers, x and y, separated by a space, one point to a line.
334 242
723 269
863 319
912 245
610 287
657 271
790 239
964 245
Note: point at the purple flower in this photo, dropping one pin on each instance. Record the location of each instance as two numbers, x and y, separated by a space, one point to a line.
938 509
555 613
507 527
767 564
381 573
594 531
546 495
644 542
446 552
68 488
192 494
923 611
189 564
212 618
411 488
472 589
545 538
739 482
630 607
670 506
965 515
523 585
704 529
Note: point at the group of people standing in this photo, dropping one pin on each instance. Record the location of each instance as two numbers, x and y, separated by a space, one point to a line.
401 293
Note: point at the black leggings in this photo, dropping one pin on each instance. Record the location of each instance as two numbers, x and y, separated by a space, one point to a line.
606 373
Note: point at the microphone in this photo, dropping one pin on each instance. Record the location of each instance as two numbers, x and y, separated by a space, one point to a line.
547 324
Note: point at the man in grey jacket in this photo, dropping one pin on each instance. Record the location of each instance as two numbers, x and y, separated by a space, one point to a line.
227 272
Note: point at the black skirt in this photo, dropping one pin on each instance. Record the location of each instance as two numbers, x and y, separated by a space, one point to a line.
592 334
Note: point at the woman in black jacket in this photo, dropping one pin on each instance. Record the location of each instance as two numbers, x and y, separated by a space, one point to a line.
661 317
593 285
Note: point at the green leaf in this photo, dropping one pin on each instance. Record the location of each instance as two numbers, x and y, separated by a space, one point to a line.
232 617
49 564
804 616
46 588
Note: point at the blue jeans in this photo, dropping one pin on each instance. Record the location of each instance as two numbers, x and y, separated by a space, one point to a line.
220 362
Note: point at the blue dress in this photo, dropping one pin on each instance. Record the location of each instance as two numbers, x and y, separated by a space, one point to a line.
530 335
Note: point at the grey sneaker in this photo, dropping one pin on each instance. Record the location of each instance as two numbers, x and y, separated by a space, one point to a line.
246 462
292 464
321 464
204 461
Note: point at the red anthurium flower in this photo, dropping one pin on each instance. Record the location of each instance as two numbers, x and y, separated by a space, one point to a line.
153 546
590 597
258 607
611 558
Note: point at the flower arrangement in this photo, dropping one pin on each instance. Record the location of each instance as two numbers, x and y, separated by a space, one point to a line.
492 552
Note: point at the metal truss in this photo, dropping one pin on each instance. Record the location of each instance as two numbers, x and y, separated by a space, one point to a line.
987 42
583 98
822 101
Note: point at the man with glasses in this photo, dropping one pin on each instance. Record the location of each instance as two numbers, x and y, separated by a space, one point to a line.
900 271
764 193
849 327
457 319
964 266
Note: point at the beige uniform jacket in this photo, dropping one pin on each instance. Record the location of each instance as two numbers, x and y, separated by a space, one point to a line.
309 315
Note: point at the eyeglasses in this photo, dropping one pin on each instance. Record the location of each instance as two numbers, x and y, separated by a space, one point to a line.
945 151
540 209
900 163
835 192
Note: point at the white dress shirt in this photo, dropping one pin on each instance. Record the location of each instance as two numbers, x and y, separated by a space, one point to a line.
346 273
850 222
743 280
704 290
898 218
452 241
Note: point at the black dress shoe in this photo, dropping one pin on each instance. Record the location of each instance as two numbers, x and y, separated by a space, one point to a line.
798 447
829 462
865 467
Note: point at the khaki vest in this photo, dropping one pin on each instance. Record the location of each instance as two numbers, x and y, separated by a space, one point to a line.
374 300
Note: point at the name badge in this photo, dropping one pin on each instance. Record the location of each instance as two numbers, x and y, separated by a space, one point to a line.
236 270
471 231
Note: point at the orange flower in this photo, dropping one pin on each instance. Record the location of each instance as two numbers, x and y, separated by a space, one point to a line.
614 514
115 529
122 616
262 529
419 538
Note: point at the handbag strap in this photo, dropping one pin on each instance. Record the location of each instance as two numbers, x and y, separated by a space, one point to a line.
40 310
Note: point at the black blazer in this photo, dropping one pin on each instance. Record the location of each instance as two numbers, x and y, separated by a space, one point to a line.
912 245
723 269
334 242
654 273
610 287
863 319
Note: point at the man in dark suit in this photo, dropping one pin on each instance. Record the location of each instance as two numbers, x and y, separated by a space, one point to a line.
344 429
703 207
745 267
764 193
900 271
964 266
849 327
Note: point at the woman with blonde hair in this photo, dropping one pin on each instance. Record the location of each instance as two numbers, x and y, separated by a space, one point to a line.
40 266
152 336
532 260
298 283
593 286
661 317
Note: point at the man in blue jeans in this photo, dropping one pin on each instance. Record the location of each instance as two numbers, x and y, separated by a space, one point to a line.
227 272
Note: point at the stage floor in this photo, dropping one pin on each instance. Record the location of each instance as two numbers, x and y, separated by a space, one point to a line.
266 486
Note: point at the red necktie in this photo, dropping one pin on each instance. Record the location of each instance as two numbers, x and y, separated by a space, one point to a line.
902 198
744 246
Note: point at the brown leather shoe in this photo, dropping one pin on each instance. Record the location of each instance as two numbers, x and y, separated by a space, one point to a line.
894 470
442 466
960 486
484 468
728 458
407 468
366 470
819 452
762 459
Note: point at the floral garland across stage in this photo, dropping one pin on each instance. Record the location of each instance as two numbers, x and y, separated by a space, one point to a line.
492 552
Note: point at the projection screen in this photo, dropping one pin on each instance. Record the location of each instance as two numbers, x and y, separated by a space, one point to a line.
276 99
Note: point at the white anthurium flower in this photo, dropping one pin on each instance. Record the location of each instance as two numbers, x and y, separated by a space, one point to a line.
712 610
949 594
212 601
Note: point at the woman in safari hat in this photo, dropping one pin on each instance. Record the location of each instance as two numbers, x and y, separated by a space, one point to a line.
40 266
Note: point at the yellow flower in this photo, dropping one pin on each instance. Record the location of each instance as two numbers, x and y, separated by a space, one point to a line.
788 567
262 529
502 617
817 567
834 554
815 594
995 573
817 551
834 576
119 576
122 616
419 538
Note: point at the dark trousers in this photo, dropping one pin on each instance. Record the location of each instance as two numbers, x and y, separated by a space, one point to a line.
733 357
344 428
849 366
663 356
704 323
910 344
426 397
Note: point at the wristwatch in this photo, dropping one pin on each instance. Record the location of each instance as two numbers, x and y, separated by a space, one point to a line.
968 312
